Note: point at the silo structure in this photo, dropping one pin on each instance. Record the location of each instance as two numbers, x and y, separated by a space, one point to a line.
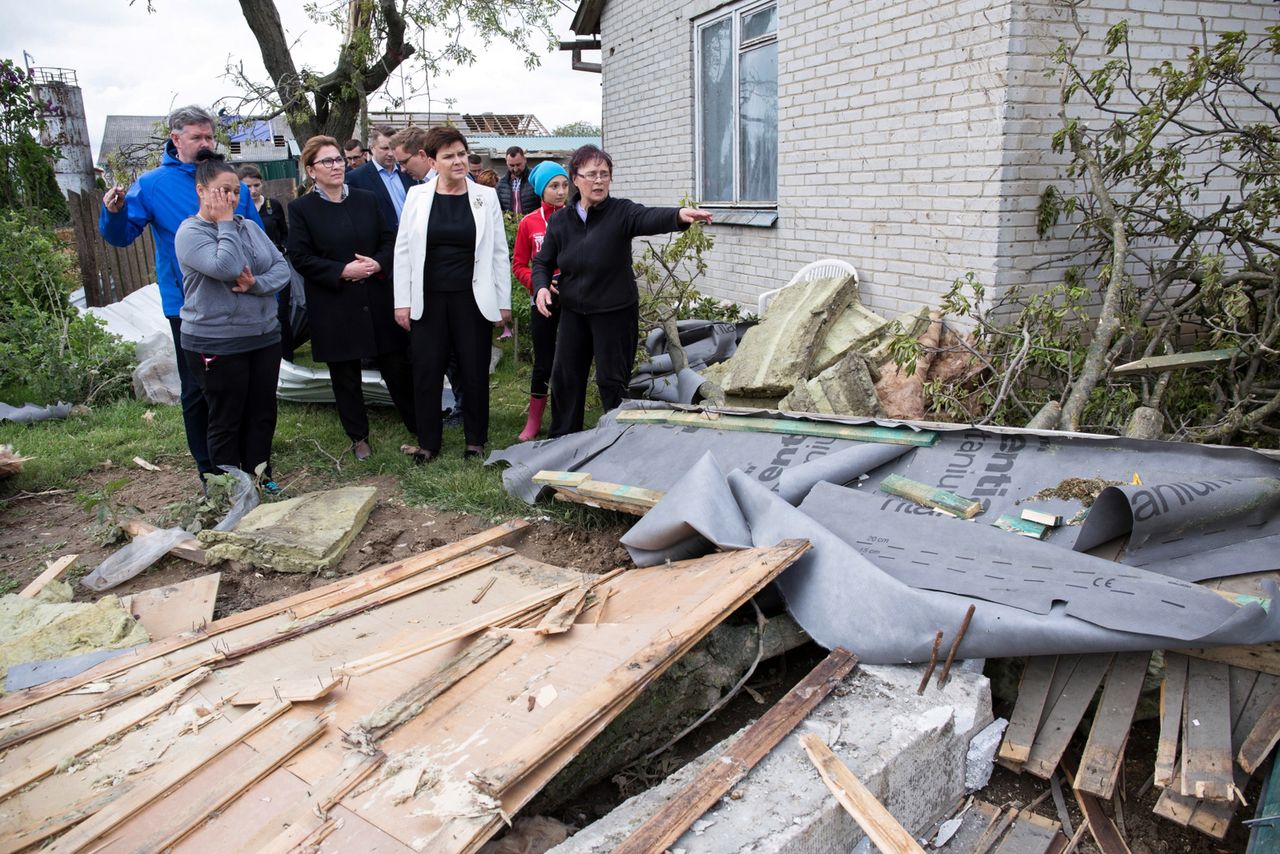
58 93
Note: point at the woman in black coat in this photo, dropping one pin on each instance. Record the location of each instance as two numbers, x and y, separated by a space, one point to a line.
342 248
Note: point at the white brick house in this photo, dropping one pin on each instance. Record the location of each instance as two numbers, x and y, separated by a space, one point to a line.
910 137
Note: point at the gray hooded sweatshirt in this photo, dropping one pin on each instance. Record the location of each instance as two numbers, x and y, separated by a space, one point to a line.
211 256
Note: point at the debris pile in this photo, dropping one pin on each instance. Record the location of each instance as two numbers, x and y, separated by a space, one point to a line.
818 349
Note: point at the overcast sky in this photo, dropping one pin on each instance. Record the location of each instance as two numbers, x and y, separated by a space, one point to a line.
130 62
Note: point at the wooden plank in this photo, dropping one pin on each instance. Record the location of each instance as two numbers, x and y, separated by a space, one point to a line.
36 767
1206 758
1101 827
639 496
487 620
1065 715
1263 657
784 426
445 571
175 608
1033 691
185 811
376 725
930 496
187 551
408 566
51 573
561 478
91 703
1030 834
598 702
1104 750
575 497
1022 527
290 690
876 822
680 811
308 819
1176 362
1173 692
562 615
1250 694
1261 739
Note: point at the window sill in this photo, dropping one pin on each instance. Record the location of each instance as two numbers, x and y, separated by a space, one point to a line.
750 217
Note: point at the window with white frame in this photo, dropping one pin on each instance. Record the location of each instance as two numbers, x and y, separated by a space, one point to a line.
737 105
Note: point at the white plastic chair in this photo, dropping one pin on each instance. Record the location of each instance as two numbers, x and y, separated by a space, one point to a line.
825 269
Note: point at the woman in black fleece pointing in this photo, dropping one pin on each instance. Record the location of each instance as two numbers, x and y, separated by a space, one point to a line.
589 241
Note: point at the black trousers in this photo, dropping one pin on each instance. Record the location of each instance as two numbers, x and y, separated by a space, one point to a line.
195 412
451 324
348 394
609 337
544 348
241 394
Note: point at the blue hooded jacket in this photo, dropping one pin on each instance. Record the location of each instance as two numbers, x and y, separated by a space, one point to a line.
163 198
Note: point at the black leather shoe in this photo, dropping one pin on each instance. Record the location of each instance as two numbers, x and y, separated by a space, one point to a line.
421 458
472 452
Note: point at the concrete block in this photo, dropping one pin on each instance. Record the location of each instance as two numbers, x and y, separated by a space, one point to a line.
910 750
305 534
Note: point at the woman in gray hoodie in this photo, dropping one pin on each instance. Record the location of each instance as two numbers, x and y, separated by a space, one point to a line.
230 335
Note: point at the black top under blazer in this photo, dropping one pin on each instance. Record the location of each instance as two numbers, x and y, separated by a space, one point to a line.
366 177
349 320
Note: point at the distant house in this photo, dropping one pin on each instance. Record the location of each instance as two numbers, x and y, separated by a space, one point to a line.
491 134
911 139
137 142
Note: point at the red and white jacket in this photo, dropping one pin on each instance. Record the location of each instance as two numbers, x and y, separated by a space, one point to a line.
529 236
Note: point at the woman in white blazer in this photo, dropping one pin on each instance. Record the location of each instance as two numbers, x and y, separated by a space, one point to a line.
452 284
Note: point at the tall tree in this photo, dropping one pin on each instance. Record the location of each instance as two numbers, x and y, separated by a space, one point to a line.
379 37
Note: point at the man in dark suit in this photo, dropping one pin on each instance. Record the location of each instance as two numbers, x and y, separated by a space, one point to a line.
515 193
382 177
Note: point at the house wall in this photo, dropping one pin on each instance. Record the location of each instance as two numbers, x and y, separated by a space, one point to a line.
913 137
889 139
1158 32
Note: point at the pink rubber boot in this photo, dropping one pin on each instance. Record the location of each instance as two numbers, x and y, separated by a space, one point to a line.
531 427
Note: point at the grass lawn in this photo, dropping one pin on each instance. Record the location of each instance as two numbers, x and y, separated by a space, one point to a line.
308 440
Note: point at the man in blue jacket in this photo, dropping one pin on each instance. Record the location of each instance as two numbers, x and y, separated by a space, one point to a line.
163 198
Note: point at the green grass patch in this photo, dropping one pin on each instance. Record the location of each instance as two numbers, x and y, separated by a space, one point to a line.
309 444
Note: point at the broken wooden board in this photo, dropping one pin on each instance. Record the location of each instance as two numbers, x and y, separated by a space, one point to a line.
347 586
1261 739
596 671
683 808
51 573
175 608
304 690
1251 694
1101 827
1173 693
1030 834
1065 715
1206 729
876 822
1263 657
1028 710
385 627
189 550
1175 362
1112 720
1021 527
784 426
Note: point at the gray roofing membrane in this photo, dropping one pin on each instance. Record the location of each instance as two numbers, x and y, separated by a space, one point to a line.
885 574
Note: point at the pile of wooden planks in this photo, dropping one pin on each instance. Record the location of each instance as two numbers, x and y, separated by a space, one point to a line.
414 707
1218 723
578 487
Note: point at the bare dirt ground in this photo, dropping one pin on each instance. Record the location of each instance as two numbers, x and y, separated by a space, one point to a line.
38 528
